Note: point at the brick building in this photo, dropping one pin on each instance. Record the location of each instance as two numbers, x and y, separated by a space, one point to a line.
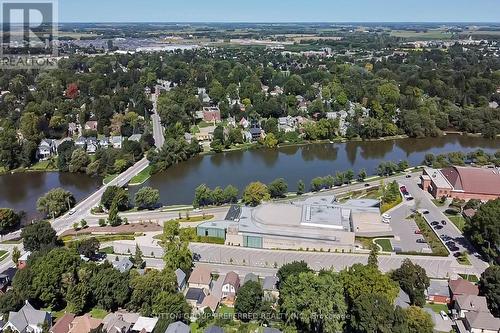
462 183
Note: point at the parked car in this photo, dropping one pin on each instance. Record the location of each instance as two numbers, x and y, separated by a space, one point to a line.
438 227
418 232
367 185
443 222
409 198
421 241
445 237
444 315
425 212
433 223
386 216
408 176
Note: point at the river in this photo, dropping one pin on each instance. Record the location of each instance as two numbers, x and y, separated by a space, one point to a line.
294 163
177 184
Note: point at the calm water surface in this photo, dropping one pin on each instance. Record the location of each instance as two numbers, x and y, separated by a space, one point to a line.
239 168
177 184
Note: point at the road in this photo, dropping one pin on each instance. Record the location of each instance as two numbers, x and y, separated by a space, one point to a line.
423 201
83 209
158 132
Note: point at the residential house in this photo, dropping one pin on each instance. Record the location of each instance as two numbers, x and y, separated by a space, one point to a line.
81 142
438 292
23 260
188 137
28 320
178 327
135 137
119 322
195 298
213 329
210 302
181 279
462 287
4 283
145 324
244 123
104 143
84 324
201 277
250 277
230 285
256 133
74 129
247 136
203 96
116 141
92 145
46 149
402 300
211 114
287 124
123 265
270 287
276 91
91 125
481 322
470 303
62 324
231 121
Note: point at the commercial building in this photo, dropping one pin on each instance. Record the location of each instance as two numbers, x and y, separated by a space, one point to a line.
317 223
462 183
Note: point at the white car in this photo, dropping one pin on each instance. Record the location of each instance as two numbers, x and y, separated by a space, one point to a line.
73 211
386 216
444 315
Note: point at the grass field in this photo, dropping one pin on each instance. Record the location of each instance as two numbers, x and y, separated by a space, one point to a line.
385 244
141 177
458 221
437 307
98 313
3 254
101 238
430 34
471 278
108 178
194 219
464 259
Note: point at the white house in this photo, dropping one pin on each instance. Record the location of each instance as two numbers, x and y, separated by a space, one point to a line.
46 149
231 285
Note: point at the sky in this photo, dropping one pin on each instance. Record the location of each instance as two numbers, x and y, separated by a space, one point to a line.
279 10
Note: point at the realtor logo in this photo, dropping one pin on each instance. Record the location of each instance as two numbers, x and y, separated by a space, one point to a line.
29 34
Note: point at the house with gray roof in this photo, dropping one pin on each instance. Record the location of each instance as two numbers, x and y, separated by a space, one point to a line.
214 329
123 265
181 279
178 327
46 149
135 137
250 277
28 320
270 287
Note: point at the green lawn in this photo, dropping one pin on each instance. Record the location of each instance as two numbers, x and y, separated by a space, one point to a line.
3 254
437 307
197 218
48 165
458 221
141 177
385 244
98 313
438 202
108 178
464 259
107 250
470 277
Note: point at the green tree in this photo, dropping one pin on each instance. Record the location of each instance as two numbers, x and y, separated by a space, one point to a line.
8 220
115 193
79 160
489 285
10 149
371 313
249 301
293 268
362 175
146 287
413 280
38 235
88 247
231 194
202 196
270 141
110 288
147 198
16 254
255 193
360 279
137 259
177 253
317 184
172 303
419 321
114 219
278 188
56 202
301 187
484 228
373 257
304 304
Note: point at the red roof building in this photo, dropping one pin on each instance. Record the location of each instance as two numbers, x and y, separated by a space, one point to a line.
461 287
463 183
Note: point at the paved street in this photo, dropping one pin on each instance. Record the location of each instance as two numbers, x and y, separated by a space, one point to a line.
158 132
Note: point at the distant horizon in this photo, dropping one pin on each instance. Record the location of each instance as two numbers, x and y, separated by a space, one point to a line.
265 11
279 22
